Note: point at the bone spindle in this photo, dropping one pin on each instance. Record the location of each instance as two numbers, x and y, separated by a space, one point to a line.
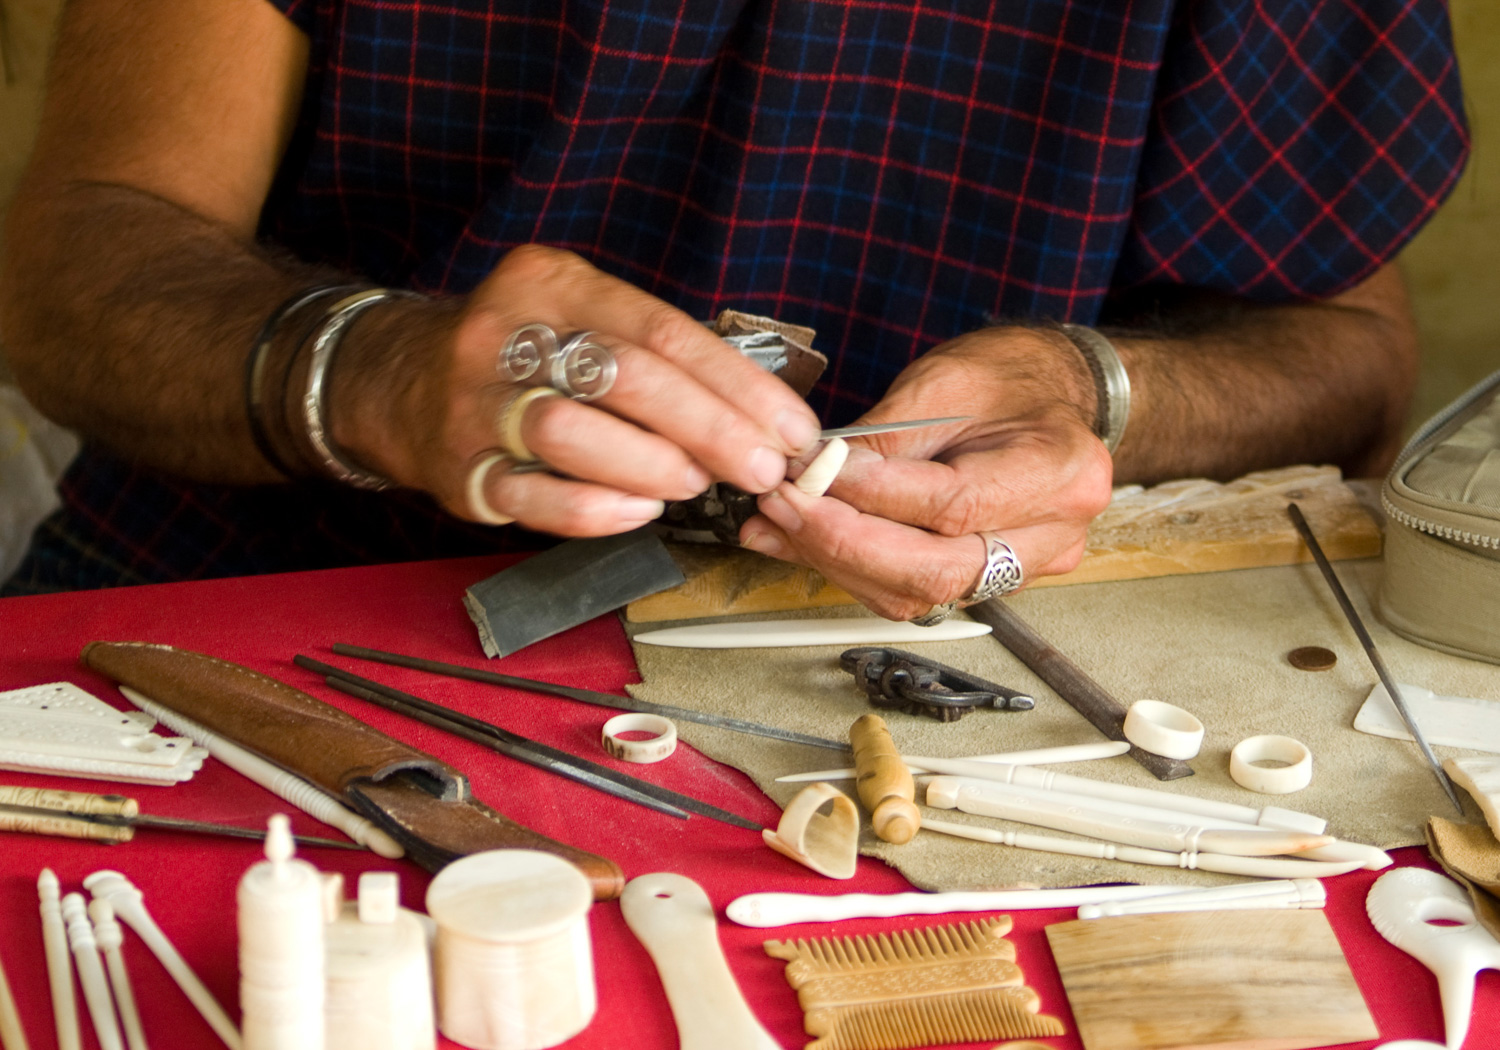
109 937
59 968
91 972
884 783
130 905
379 983
281 948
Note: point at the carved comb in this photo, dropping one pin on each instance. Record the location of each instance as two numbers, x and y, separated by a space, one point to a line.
941 984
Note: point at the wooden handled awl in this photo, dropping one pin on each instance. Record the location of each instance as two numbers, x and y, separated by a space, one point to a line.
884 783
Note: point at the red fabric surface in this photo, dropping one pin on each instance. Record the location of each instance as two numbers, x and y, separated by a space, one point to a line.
189 882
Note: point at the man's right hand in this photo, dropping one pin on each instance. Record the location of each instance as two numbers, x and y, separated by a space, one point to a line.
415 395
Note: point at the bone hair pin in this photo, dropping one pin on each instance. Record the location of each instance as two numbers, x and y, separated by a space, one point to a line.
662 743
280 922
1080 816
826 843
765 910
109 937
91 972
59 965
1036 757
884 784
289 788
1255 867
1244 896
129 905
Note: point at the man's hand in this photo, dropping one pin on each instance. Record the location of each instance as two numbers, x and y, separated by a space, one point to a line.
898 528
423 399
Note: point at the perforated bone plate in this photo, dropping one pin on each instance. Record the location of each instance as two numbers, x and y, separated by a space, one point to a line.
59 722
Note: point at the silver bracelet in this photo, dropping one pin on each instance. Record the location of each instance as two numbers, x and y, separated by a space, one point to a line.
335 323
1111 383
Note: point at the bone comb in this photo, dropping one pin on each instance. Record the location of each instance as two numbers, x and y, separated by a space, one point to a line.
941 984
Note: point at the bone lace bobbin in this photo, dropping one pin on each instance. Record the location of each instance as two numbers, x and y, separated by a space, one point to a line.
908 988
828 843
109 937
281 916
1163 729
514 967
59 728
884 783
660 745
671 915
59 969
1405 906
1246 770
379 983
91 972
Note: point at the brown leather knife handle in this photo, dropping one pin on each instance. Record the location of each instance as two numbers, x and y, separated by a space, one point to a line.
431 811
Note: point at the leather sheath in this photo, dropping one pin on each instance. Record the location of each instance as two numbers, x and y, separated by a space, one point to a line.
423 803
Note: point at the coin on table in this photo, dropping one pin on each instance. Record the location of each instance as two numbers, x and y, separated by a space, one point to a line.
1312 658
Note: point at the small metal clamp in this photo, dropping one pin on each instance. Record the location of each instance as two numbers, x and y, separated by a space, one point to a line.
893 678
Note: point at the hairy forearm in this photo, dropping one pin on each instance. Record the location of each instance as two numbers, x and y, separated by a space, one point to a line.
130 319
1261 386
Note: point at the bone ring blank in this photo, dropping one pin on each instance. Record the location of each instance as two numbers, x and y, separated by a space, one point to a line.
478 502
662 744
1163 729
1282 780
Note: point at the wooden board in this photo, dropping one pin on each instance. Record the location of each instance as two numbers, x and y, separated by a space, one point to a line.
1178 527
1247 980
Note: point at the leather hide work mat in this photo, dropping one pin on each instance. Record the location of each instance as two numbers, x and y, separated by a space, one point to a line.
1214 644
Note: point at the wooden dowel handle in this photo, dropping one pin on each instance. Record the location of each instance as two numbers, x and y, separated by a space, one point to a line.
67 827
70 801
884 783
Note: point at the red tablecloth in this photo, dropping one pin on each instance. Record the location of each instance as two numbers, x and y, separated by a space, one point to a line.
189 882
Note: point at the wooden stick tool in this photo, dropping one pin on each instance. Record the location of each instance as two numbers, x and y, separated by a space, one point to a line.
1391 688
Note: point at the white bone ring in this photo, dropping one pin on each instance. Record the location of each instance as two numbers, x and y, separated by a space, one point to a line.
1269 780
1163 729
654 749
479 504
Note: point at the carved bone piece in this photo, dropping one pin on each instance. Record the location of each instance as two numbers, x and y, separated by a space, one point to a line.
828 843
1480 777
940 984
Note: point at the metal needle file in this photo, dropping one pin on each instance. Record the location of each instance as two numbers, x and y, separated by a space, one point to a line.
589 696
142 820
1369 643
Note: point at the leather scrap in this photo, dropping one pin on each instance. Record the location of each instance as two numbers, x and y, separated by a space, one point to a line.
422 802
1471 855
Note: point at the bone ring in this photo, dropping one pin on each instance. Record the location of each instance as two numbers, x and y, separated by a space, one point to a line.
525 351
936 615
1268 780
1002 573
511 416
1163 729
582 369
655 749
479 504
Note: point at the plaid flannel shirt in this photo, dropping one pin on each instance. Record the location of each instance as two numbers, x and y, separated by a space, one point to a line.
887 172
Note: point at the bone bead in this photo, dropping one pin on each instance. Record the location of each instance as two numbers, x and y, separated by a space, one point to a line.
884 783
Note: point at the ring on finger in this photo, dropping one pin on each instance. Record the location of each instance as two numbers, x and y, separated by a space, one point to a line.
508 425
581 368
1002 573
526 351
934 616
480 508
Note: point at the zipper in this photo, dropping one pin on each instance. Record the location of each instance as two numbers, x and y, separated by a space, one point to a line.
1432 426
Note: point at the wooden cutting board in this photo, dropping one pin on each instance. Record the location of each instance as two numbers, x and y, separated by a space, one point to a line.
1247 980
1177 527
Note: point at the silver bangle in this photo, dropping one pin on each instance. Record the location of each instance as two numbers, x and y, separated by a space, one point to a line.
1111 383
335 323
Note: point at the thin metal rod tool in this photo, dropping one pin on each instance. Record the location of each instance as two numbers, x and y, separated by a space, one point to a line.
143 820
588 696
866 429
1295 512
523 749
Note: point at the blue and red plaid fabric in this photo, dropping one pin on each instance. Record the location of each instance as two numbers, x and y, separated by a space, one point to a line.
889 173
